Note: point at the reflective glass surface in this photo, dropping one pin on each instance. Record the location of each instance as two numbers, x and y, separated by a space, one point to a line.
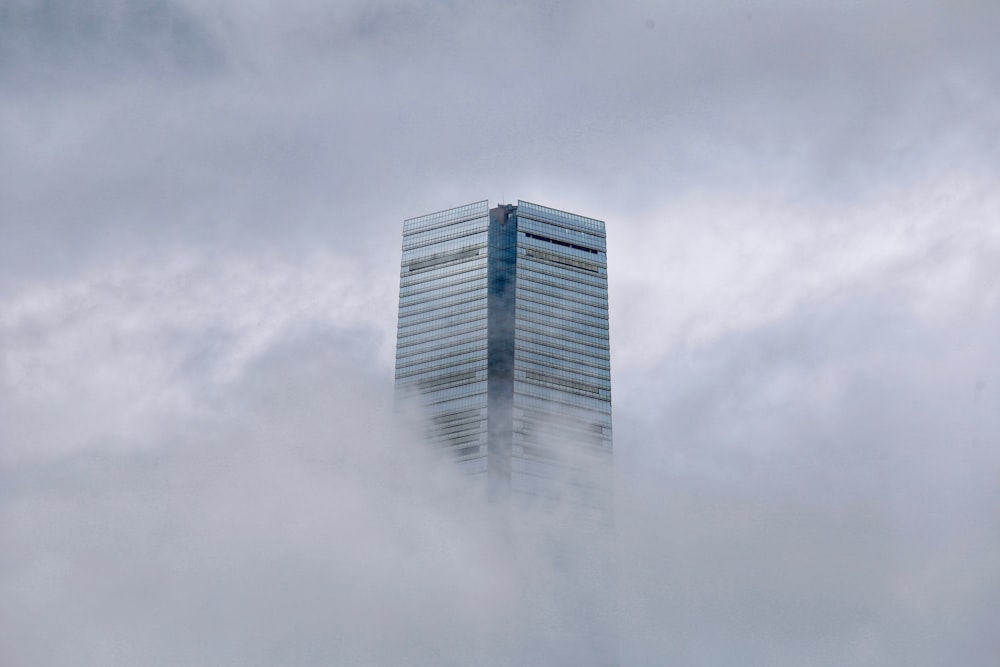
441 346
505 313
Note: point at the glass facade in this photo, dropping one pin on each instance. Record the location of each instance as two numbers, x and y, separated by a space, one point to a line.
503 338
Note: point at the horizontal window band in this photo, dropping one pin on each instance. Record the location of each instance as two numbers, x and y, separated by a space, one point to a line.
543 271
463 440
524 360
562 290
544 335
566 244
559 218
560 328
567 414
439 333
561 232
458 391
563 344
523 399
534 309
576 292
534 347
566 419
537 389
452 415
427 279
478 241
435 355
417 400
439 301
407 399
463 359
459 366
530 428
446 380
454 335
560 260
572 306
444 226
579 332
424 276
566 383
561 275
456 345
563 249
444 235
431 315
444 292
602 381
540 264
461 319
426 223
473 423
436 260
459 430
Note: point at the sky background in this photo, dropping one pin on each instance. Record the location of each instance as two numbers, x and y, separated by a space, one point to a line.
201 206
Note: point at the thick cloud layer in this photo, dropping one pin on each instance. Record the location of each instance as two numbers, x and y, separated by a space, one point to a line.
200 208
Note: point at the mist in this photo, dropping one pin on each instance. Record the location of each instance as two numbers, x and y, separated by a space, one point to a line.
200 215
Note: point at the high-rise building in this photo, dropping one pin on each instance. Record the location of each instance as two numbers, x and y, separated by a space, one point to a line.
503 341
503 347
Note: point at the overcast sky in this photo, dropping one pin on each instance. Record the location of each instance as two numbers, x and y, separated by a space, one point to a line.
201 205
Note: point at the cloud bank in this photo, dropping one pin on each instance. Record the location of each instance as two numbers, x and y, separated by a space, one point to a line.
200 206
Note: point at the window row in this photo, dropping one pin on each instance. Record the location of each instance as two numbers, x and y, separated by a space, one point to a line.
472 242
572 378
476 261
416 375
469 277
535 309
599 360
455 392
547 323
560 233
556 216
451 361
437 333
565 384
562 261
529 288
526 359
449 216
423 238
561 306
433 355
567 414
535 396
528 331
443 301
583 255
546 269
427 344
439 323
528 270
460 403
445 312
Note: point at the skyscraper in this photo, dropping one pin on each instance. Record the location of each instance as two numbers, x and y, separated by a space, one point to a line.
503 341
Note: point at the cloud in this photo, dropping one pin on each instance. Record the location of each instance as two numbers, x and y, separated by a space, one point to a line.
200 206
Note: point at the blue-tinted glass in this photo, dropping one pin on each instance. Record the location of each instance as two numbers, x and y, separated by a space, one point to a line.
503 315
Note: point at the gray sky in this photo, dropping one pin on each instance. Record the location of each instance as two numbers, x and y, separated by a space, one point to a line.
200 218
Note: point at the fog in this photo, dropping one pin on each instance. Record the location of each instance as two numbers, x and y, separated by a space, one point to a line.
200 215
